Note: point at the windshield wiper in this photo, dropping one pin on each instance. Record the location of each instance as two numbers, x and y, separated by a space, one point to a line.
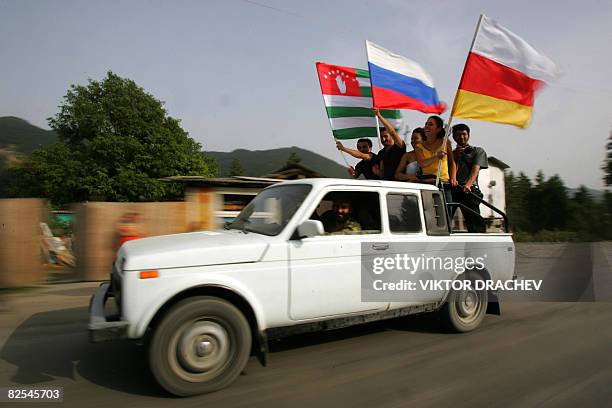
244 224
231 225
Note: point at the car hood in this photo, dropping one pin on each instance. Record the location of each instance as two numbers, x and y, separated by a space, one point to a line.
192 249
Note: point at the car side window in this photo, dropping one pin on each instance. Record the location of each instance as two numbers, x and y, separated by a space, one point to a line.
404 213
435 213
349 213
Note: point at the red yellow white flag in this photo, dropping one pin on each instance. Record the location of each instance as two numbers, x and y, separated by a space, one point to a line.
500 78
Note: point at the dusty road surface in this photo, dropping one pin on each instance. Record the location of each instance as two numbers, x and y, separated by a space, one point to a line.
535 354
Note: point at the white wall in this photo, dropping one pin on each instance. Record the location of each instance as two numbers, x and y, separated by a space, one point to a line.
496 194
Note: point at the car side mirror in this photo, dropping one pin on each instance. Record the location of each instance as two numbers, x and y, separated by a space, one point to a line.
310 228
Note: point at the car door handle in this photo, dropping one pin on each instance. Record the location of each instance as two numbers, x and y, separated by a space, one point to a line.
380 247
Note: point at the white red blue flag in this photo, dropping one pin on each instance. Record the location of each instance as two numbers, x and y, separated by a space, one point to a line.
400 83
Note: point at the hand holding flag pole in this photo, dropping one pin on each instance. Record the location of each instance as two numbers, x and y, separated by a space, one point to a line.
347 99
400 83
450 118
514 71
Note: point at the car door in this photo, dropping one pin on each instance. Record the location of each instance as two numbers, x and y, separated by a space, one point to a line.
325 271
410 221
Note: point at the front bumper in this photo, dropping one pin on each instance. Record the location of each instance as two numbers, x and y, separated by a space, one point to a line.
100 327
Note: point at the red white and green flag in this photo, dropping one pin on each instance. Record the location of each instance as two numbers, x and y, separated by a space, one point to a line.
348 101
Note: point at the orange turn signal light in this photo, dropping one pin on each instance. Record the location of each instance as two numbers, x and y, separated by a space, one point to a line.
149 274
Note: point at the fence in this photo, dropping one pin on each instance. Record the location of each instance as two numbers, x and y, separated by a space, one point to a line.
20 255
96 235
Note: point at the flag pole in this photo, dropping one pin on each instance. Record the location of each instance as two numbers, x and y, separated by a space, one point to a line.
450 118
343 157
377 129
373 103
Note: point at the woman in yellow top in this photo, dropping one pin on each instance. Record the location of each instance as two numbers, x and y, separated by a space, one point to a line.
429 153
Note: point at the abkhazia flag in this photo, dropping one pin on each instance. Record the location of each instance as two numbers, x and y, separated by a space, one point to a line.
348 101
400 83
501 75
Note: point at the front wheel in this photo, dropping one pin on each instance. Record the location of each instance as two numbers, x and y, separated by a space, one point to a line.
201 345
464 310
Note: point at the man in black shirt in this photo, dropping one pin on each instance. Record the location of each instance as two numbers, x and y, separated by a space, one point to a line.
470 160
394 148
369 161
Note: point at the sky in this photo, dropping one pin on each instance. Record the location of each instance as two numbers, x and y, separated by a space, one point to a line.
241 73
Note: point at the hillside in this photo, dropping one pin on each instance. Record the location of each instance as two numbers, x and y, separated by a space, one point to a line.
18 137
261 162
24 136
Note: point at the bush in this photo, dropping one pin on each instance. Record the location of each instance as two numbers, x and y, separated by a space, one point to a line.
549 236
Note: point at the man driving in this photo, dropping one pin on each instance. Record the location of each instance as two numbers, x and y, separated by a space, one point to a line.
339 219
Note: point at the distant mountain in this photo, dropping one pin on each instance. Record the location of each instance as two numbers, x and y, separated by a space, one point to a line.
18 138
261 162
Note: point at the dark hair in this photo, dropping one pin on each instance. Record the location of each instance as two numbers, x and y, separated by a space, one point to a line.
440 124
420 131
340 197
365 140
460 128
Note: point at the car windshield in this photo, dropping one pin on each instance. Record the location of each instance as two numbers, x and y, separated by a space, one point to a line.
271 210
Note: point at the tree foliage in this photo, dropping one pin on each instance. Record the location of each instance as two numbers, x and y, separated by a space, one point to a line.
517 205
236 168
293 158
607 167
116 142
545 210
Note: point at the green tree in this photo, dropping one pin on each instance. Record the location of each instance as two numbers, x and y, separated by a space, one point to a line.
293 158
537 213
548 204
517 193
116 142
607 167
556 202
236 168
607 209
587 216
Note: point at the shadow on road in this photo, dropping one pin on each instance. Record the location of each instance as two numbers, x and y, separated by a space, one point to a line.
421 323
53 345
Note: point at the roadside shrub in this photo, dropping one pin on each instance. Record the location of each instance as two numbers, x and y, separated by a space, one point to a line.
550 236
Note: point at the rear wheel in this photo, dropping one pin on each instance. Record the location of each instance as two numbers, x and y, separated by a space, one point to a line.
464 310
201 345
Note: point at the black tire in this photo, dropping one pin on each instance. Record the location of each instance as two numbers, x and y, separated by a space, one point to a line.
201 345
464 310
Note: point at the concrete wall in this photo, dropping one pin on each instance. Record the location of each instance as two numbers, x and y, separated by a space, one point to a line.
96 234
20 254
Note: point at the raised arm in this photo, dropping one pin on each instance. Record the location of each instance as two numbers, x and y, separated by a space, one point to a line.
355 153
398 140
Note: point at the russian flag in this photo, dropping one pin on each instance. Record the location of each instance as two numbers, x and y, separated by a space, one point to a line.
400 83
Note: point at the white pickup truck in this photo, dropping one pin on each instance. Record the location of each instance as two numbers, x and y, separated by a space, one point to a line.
297 259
